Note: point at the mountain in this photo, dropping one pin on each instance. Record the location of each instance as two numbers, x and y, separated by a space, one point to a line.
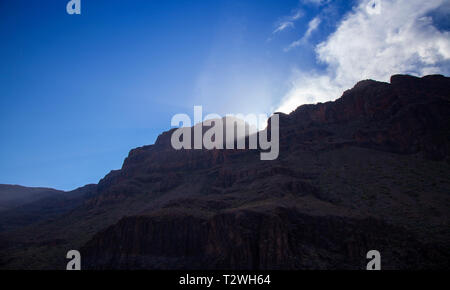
367 171
36 204
14 195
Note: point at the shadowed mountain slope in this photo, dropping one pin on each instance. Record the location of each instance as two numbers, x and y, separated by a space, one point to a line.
367 171
12 196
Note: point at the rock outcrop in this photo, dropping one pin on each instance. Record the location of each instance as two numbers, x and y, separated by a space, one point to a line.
281 238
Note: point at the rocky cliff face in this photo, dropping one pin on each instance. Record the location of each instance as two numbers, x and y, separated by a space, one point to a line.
409 115
281 238
368 171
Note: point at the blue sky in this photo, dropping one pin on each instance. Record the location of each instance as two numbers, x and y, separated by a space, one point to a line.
77 92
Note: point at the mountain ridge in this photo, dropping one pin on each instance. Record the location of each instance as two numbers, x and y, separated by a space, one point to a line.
13 195
367 170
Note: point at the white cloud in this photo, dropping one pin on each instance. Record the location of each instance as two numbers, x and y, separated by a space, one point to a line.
315 2
376 40
312 26
307 89
282 26
288 22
